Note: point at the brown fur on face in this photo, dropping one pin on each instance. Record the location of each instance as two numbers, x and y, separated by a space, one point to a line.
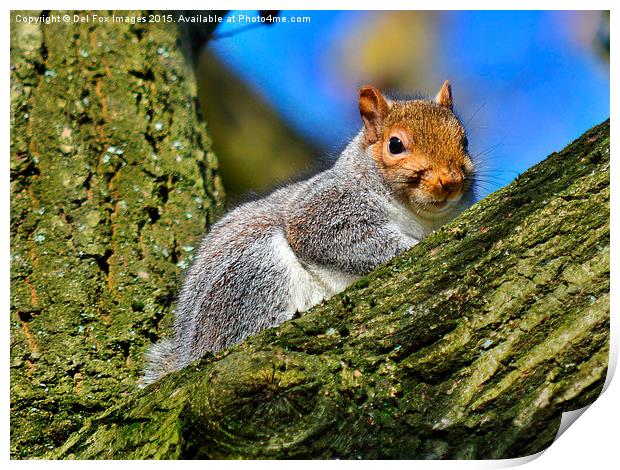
434 169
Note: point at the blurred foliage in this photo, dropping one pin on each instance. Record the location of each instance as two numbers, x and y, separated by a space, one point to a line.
255 147
602 35
392 50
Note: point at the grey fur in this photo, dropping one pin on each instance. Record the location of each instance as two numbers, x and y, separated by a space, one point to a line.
339 219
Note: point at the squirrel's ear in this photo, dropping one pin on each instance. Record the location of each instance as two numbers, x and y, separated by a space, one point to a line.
373 108
444 97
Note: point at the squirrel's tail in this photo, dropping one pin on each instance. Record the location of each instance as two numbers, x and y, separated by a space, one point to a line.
161 360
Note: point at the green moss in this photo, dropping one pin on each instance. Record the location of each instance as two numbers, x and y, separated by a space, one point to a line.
98 204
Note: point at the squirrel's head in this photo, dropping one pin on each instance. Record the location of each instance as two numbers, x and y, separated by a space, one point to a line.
420 148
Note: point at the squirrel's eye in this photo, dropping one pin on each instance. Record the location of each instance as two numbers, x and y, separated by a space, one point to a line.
396 146
465 143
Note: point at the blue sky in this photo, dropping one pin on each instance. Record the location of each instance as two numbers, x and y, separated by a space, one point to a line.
527 80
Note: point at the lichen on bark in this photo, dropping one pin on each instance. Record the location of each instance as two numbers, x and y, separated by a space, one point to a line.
112 186
469 345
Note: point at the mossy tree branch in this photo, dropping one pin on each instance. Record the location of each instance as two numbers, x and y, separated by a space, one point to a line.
470 345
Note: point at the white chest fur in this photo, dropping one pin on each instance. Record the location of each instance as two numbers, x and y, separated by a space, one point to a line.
308 284
407 222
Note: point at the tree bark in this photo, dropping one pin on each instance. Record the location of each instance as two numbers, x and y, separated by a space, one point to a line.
470 345
112 184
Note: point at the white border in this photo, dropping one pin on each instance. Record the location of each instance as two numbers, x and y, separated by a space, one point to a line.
591 443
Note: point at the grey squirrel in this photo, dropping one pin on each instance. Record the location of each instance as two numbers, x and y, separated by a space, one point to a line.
406 173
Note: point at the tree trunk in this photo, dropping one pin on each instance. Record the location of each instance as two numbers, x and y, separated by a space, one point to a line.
112 181
470 345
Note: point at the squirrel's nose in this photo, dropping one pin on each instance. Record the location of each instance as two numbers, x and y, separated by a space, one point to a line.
449 183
